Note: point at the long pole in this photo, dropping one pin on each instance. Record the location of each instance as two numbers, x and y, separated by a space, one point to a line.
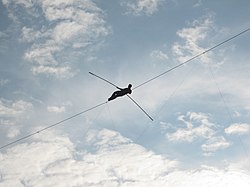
126 94
103 79
140 107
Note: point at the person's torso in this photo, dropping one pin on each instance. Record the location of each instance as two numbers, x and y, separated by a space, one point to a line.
126 91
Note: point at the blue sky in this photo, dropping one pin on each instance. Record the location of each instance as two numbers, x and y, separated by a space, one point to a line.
201 128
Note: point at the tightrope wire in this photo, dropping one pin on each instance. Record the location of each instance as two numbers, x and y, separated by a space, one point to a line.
50 126
181 64
196 56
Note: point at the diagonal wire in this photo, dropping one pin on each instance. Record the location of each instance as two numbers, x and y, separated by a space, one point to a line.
50 126
227 108
196 56
126 94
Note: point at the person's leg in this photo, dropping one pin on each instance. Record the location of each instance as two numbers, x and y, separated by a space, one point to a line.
113 96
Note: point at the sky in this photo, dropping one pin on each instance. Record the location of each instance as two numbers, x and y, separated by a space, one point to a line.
200 135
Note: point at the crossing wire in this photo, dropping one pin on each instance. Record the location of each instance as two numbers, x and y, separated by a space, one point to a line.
96 106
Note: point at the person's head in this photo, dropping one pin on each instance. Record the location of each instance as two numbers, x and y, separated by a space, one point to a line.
130 86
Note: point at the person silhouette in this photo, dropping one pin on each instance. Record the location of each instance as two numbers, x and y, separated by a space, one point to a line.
121 92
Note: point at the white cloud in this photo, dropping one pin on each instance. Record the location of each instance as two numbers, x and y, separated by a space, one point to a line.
12 113
193 36
31 35
198 116
237 114
11 109
198 126
51 157
140 7
192 134
25 3
13 132
16 6
43 54
208 177
238 128
56 109
214 144
64 30
59 72
52 160
164 126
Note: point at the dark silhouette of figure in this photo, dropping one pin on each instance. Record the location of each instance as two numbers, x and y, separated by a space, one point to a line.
121 92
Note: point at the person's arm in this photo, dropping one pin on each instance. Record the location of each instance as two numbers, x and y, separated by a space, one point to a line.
118 88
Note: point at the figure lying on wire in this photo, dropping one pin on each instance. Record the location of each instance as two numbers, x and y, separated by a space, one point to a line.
121 92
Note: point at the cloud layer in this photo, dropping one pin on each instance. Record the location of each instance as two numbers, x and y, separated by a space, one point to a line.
12 113
142 7
193 37
58 32
199 126
238 128
107 159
